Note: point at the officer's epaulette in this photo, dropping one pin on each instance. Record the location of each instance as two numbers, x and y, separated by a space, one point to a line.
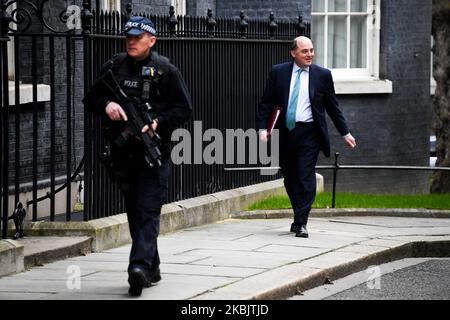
157 58
118 58
161 63
121 55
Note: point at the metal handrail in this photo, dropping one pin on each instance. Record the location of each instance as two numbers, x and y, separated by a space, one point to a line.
336 167
348 167
49 195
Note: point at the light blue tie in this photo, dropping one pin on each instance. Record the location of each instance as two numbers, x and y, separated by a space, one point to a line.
292 108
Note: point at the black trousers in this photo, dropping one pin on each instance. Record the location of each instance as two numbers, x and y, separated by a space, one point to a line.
145 194
299 150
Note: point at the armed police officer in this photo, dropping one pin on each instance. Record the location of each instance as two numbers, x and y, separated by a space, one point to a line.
140 79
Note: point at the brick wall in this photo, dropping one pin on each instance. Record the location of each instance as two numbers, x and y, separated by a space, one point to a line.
200 7
393 129
283 9
148 6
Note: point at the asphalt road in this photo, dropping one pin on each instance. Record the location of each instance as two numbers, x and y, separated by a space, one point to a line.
408 279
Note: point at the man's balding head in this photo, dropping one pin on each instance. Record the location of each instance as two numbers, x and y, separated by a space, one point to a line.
302 51
300 40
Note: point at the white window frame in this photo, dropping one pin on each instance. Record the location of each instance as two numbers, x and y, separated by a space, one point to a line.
179 6
11 64
10 48
358 80
110 5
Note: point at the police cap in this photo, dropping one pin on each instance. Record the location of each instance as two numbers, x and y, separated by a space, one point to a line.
137 25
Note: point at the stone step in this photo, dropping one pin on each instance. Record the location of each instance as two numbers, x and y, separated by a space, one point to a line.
41 250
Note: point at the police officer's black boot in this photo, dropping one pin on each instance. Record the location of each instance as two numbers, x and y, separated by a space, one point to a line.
155 276
137 278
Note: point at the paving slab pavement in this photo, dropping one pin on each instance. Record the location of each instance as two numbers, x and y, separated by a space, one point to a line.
239 260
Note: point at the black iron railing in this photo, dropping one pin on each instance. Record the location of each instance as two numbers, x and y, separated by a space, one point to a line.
225 63
336 167
170 26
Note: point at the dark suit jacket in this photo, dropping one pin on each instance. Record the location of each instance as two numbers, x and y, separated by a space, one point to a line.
321 95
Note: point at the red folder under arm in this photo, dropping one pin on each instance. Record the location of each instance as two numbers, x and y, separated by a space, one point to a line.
273 119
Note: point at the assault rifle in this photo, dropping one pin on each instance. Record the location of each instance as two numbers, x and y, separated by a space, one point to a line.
138 116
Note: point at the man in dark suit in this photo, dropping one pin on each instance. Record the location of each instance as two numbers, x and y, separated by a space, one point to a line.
304 91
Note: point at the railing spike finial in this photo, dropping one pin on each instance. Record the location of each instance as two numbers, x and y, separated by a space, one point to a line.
129 10
173 21
301 26
243 25
210 24
273 26
86 17
5 18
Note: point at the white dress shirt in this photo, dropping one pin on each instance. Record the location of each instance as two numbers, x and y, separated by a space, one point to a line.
304 113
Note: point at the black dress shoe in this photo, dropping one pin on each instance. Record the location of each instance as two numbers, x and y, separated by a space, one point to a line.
155 276
295 228
302 232
137 278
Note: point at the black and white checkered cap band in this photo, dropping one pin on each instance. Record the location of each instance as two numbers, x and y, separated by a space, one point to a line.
145 27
